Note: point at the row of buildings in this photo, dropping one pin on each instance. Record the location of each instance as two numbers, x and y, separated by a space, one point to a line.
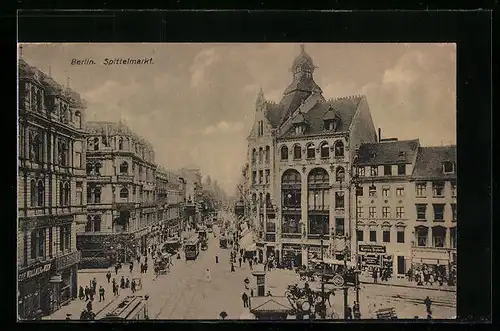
89 193
319 176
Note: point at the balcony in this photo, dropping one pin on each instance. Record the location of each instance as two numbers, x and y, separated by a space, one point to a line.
319 208
291 235
67 260
315 236
270 237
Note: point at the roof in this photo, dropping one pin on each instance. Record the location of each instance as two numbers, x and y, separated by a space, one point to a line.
346 108
429 164
273 113
111 128
300 118
303 59
388 152
291 101
270 304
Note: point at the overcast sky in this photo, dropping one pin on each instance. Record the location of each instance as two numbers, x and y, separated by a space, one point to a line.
195 103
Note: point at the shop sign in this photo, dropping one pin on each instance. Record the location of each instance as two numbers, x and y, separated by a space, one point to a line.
372 249
261 280
292 247
34 272
371 259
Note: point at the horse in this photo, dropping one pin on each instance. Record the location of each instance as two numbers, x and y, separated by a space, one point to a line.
326 296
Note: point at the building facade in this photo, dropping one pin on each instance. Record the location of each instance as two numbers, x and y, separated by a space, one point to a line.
51 191
121 195
170 198
434 210
385 201
193 190
300 158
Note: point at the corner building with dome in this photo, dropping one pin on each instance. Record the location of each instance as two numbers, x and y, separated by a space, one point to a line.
300 156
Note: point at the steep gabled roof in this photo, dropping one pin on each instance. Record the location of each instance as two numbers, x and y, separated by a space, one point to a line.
345 107
290 102
300 118
387 152
273 113
429 164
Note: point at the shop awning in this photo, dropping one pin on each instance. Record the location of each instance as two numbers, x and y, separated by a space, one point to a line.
246 241
244 232
251 248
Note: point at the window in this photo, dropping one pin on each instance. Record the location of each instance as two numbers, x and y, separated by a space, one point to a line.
386 236
325 150
400 212
421 211
297 152
261 176
453 237
400 236
359 191
453 212
372 212
79 193
438 236
41 193
64 191
386 191
93 193
254 156
299 129
284 153
254 177
453 189
402 154
267 176
422 234
372 192
36 147
291 225
339 226
62 149
38 244
421 189
340 174
65 237
359 235
360 212
438 212
120 143
311 151
361 171
51 241
339 200
261 155
438 189
400 191
268 152
339 148
78 160
373 235
93 223
448 167
33 193
374 171
386 212
387 170
96 144
401 169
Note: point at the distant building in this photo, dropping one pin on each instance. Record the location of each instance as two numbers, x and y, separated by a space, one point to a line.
193 185
51 191
170 199
120 195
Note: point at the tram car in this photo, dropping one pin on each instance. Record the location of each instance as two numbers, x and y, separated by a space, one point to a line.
192 249
133 307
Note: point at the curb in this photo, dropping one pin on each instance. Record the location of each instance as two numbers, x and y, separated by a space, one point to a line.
90 271
410 286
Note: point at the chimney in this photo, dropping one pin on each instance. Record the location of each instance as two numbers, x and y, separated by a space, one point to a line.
379 134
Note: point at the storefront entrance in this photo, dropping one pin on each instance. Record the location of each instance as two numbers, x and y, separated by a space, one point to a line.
292 256
401 265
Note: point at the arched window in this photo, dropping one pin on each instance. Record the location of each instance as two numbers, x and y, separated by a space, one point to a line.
284 153
254 155
93 223
96 144
78 119
311 151
261 155
33 98
124 168
268 151
62 150
39 100
268 199
90 168
67 194
254 199
297 152
120 143
291 201
339 148
325 149
261 200
41 193
36 147
318 195
340 174
124 193
64 193
33 193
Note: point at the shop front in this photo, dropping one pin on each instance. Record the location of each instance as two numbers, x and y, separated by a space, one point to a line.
437 261
291 255
371 257
64 279
33 290
314 251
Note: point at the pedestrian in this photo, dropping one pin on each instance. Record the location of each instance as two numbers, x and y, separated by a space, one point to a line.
269 294
232 267
87 293
428 304
122 283
116 269
244 297
251 292
131 267
68 317
132 286
250 264
216 258
81 293
94 285
101 293
108 276
240 260
375 276
356 310
92 293
89 306
146 267
348 312
127 283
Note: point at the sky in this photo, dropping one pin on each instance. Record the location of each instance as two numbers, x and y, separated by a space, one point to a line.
196 102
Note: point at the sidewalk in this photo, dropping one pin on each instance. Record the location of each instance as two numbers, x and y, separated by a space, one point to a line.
364 279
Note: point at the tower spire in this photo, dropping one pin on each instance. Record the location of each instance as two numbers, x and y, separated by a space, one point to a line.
260 98
302 48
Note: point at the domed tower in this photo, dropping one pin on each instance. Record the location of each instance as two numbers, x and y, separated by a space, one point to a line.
303 84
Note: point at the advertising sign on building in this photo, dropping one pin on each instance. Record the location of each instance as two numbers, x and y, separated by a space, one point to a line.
34 271
371 259
372 249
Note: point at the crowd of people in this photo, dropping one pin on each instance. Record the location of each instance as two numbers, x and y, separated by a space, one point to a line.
430 275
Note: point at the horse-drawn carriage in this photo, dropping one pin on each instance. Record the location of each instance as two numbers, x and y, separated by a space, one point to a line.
336 272
162 264
309 301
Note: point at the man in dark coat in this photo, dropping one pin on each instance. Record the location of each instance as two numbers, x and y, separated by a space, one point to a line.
428 304
244 297
108 276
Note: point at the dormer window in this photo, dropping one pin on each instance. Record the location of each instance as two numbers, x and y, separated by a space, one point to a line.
402 154
299 129
448 167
